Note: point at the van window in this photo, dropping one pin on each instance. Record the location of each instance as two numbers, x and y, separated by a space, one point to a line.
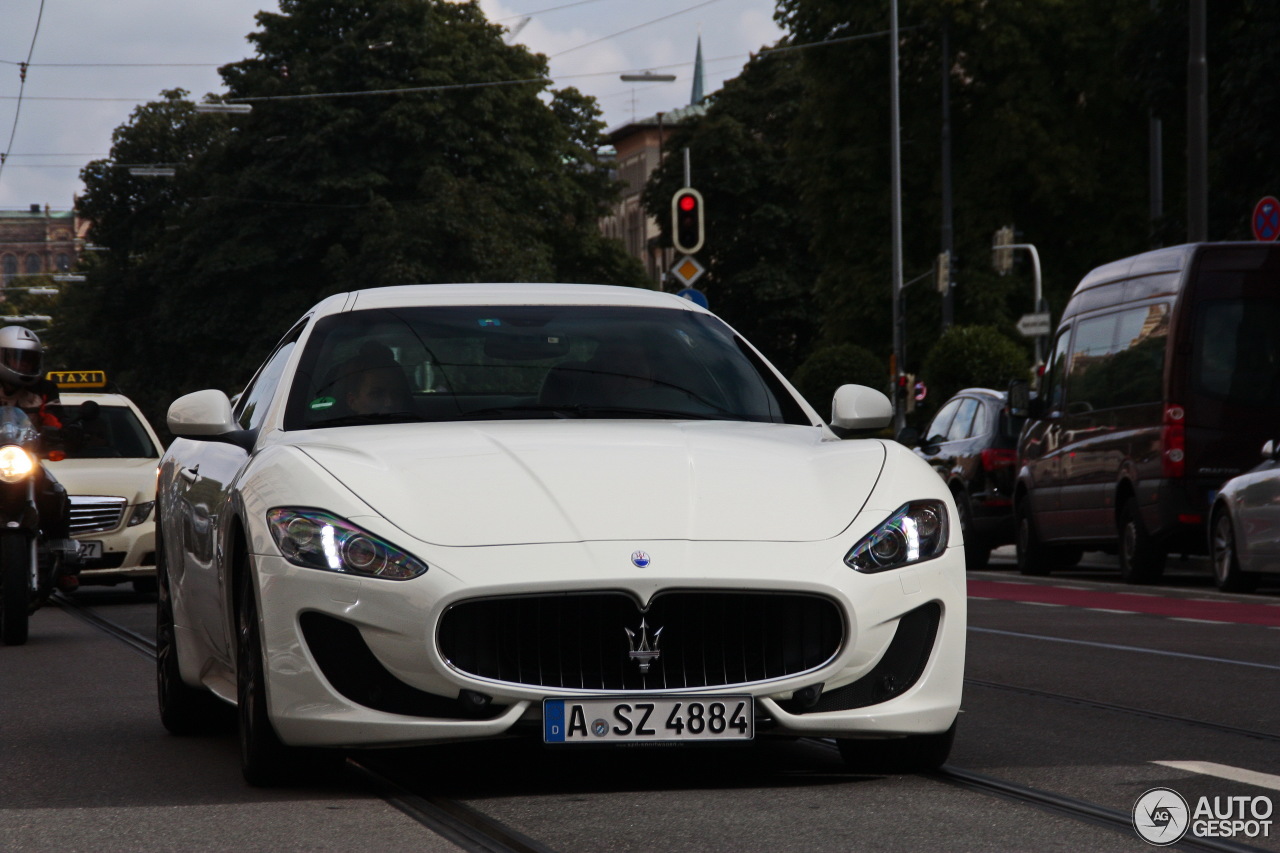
1118 359
1088 378
1236 355
1138 366
1056 373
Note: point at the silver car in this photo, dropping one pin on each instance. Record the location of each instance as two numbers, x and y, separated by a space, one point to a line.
1244 528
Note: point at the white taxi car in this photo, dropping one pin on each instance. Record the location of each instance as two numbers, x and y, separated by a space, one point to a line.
110 478
585 514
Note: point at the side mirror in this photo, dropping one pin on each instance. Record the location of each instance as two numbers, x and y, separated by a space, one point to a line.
1269 451
206 416
857 407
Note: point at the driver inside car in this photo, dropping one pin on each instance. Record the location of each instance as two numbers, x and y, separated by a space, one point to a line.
373 383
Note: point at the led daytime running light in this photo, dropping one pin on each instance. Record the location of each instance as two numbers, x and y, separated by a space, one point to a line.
915 532
319 540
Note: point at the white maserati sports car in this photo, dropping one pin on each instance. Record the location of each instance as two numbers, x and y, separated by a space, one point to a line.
583 514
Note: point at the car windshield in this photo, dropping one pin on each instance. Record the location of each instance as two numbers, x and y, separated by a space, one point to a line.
111 432
455 363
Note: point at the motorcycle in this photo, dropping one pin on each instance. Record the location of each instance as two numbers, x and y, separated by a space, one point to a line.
30 563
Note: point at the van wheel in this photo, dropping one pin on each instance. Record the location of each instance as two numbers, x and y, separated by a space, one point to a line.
1226 562
1141 558
977 552
1033 557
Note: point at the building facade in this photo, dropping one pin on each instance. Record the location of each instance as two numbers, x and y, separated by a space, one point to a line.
39 242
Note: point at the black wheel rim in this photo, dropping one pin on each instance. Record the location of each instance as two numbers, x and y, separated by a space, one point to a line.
1224 548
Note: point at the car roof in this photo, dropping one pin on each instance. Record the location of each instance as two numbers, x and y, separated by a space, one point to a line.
509 293
71 397
980 392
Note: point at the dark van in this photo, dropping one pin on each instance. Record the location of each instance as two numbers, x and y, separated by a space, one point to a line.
1163 380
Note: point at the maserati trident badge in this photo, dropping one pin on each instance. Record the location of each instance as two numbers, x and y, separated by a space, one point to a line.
644 653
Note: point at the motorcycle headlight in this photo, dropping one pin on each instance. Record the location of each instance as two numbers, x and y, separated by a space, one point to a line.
319 540
915 532
15 463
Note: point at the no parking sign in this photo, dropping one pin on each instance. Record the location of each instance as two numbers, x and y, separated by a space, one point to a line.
1266 219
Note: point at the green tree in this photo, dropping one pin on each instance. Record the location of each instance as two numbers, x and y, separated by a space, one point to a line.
972 357
827 368
1044 137
341 179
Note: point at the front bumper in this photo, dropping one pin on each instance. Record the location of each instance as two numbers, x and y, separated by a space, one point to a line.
398 621
127 552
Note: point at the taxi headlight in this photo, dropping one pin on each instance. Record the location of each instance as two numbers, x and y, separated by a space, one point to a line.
915 532
15 463
320 540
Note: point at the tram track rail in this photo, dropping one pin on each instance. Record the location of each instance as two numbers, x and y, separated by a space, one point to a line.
1096 704
469 829
475 832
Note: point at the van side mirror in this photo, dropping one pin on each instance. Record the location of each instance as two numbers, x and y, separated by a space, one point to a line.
1269 450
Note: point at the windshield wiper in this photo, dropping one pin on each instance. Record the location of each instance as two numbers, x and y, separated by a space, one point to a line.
580 410
376 418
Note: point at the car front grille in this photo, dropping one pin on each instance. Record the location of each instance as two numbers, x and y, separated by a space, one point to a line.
92 514
702 638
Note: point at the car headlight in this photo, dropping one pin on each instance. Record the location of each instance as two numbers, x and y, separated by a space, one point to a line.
319 540
914 533
15 463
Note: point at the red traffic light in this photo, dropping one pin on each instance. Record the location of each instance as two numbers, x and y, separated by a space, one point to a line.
686 220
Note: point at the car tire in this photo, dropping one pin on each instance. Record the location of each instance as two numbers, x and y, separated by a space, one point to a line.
1224 557
265 760
15 589
1033 556
184 710
977 552
910 754
1141 558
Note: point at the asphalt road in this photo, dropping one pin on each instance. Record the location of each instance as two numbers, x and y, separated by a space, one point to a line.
1078 687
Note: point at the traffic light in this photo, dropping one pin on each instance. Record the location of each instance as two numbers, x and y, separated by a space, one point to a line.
686 220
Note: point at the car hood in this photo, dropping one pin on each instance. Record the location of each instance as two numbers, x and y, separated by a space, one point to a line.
134 479
527 482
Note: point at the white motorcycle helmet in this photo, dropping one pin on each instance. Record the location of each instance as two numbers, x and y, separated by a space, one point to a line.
21 356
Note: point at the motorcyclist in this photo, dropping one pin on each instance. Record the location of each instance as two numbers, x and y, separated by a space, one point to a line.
23 385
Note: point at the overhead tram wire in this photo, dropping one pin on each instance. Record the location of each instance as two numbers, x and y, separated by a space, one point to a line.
22 85
542 80
684 11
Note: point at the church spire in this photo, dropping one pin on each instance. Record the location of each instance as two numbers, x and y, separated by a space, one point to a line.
695 97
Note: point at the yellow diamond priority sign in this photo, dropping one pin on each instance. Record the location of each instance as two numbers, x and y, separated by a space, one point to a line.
687 270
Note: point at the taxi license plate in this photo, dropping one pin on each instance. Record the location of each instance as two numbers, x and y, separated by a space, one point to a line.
649 719
90 550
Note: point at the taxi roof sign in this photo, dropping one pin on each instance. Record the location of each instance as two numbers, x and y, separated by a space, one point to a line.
69 379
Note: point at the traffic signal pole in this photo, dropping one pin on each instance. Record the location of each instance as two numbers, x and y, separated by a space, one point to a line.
899 339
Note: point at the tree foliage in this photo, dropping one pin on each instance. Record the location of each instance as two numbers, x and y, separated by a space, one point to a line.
338 180
972 357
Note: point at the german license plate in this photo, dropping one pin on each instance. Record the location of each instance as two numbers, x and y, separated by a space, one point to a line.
90 550
649 719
